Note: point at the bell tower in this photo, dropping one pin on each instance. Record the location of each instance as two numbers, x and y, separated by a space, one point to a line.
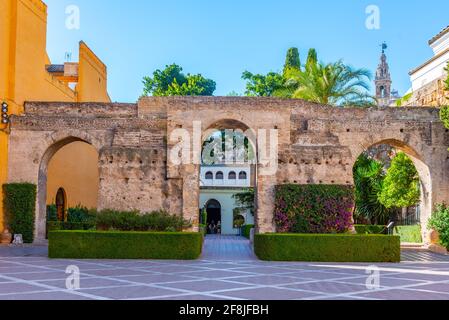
383 80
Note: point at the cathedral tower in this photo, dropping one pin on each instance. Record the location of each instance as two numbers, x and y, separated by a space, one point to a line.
383 80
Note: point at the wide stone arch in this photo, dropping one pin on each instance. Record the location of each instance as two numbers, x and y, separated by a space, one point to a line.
53 144
421 165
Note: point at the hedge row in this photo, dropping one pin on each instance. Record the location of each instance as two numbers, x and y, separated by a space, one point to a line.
20 205
327 248
246 230
124 245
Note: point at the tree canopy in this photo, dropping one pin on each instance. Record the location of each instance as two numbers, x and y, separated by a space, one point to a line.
400 189
172 82
259 85
334 83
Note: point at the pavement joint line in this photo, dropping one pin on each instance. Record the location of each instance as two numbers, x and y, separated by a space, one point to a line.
396 270
56 289
375 291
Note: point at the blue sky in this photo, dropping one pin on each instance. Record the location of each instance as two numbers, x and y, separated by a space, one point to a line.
222 38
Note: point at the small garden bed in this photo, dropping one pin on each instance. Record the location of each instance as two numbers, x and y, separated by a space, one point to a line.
124 245
327 247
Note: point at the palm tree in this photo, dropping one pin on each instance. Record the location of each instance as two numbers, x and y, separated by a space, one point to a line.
333 84
368 178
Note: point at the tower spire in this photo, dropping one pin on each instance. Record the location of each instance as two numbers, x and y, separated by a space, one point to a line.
383 80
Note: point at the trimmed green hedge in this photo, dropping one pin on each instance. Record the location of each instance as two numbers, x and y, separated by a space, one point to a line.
327 247
246 230
20 206
410 234
124 245
370 229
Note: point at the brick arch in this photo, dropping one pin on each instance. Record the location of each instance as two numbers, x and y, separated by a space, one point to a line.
59 139
424 173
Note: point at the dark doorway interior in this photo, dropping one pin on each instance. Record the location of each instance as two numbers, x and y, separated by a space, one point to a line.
213 217
61 204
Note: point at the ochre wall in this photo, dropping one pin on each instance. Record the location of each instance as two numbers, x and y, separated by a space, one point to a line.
92 77
23 77
78 175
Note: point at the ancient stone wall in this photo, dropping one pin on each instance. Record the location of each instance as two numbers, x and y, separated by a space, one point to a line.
315 145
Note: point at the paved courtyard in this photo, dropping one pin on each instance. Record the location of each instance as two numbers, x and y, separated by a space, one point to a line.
227 270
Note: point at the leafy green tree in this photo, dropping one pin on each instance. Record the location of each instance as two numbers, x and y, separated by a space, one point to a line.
334 84
368 178
292 62
245 200
172 82
400 188
259 85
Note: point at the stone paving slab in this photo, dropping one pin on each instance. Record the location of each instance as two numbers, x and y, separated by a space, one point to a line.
26 273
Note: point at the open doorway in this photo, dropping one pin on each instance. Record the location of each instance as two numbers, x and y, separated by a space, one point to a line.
213 209
61 204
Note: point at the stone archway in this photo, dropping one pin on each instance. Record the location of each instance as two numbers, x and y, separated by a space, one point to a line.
239 170
41 207
424 173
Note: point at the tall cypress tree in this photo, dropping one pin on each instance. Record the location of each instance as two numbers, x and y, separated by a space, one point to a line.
312 58
292 61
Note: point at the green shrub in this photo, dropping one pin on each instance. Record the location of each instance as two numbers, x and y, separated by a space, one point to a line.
80 214
246 230
20 207
135 221
203 229
314 208
440 223
59 225
124 245
204 216
370 229
78 218
327 247
410 234
52 213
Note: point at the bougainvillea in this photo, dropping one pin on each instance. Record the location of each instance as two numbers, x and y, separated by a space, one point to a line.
314 208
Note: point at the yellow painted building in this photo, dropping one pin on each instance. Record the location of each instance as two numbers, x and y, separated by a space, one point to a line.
26 74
